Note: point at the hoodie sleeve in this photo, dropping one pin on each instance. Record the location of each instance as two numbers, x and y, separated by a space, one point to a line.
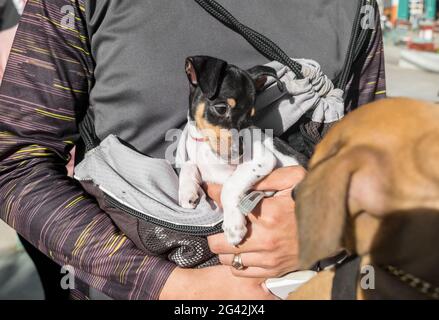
44 94
368 78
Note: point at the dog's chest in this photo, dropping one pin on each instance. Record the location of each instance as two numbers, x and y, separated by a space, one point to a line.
216 173
211 167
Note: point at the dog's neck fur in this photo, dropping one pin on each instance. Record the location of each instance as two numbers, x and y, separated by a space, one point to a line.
394 242
194 133
199 137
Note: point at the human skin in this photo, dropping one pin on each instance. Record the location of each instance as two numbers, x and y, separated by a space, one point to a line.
270 249
6 40
213 283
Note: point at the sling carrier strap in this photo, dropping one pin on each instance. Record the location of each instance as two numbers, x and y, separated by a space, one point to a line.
261 43
272 51
344 286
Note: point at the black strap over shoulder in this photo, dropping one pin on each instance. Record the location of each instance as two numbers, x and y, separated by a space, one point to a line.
88 133
272 51
261 43
358 38
306 134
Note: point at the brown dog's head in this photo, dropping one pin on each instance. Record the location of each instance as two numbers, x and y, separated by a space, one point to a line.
372 179
222 96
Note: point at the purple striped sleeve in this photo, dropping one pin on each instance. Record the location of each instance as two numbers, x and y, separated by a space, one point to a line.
43 95
368 78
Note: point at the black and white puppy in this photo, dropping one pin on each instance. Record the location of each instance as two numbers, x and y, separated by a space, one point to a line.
222 104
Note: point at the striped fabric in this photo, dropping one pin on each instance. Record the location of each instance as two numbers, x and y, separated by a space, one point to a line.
44 92
368 80
367 84
43 95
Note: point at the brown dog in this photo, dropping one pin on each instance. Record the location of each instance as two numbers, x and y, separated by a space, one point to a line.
373 188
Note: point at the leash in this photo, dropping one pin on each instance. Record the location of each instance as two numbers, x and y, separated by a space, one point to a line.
261 43
420 285
347 273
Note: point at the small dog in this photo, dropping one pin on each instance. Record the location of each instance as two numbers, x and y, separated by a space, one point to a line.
222 103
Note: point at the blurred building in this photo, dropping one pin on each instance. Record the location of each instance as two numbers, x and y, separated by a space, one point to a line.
410 11
414 23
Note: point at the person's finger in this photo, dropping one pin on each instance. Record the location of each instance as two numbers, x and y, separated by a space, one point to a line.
218 243
265 216
268 210
281 179
213 191
255 272
250 259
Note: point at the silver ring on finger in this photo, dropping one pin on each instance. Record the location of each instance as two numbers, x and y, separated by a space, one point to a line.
237 262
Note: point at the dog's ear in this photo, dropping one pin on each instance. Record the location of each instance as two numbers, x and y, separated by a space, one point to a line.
321 211
338 203
207 73
259 74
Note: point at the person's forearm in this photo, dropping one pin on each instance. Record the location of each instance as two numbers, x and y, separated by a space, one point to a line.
44 90
52 212
213 283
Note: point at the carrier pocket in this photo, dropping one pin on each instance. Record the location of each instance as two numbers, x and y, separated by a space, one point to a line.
141 196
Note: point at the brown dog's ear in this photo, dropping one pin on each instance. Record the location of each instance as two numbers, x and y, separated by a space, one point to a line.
340 186
207 73
259 75
321 210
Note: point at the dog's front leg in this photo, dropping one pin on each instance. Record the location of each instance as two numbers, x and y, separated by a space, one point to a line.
189 190
240 182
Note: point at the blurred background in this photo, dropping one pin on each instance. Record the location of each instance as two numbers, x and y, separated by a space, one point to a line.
411 36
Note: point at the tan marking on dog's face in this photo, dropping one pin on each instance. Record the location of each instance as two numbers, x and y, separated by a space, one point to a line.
219 138
203 124
253 113
199 113
231 102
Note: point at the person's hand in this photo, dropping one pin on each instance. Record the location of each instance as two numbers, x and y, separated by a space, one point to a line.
270 248
214 283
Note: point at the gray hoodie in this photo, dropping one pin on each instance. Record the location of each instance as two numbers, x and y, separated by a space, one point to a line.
140 46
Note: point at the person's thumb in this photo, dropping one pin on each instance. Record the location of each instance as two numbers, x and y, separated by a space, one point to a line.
282 179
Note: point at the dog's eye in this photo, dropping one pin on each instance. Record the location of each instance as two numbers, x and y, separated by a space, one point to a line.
221 109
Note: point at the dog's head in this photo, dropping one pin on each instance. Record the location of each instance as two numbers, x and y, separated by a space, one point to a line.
223 96
372 182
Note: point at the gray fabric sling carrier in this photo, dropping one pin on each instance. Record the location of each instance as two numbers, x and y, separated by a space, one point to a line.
140 193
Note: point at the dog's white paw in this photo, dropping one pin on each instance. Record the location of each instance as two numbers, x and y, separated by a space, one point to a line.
189 199
234 226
